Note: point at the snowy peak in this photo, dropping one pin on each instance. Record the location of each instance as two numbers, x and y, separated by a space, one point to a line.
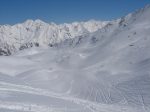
37 32
93 25
141 15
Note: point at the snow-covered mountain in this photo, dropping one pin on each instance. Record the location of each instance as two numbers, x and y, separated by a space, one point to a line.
38 33
101 69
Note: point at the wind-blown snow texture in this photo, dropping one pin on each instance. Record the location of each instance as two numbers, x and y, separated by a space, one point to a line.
88 67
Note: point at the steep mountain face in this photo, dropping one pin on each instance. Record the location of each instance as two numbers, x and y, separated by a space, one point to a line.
103 69
38 33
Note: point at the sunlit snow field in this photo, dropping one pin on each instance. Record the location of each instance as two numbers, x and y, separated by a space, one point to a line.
104 71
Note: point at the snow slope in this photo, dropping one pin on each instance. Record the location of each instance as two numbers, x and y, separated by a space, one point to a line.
101 71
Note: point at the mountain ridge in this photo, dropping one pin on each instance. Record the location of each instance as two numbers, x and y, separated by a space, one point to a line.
34 33
39 33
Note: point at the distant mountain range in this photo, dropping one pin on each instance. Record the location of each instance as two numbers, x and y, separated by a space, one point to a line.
38 33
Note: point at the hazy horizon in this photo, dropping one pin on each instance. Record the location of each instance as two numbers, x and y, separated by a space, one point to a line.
58 11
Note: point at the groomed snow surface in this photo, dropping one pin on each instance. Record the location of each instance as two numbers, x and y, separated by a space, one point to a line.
107 70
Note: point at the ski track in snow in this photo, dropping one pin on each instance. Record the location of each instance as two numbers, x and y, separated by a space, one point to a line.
35 91
30 107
